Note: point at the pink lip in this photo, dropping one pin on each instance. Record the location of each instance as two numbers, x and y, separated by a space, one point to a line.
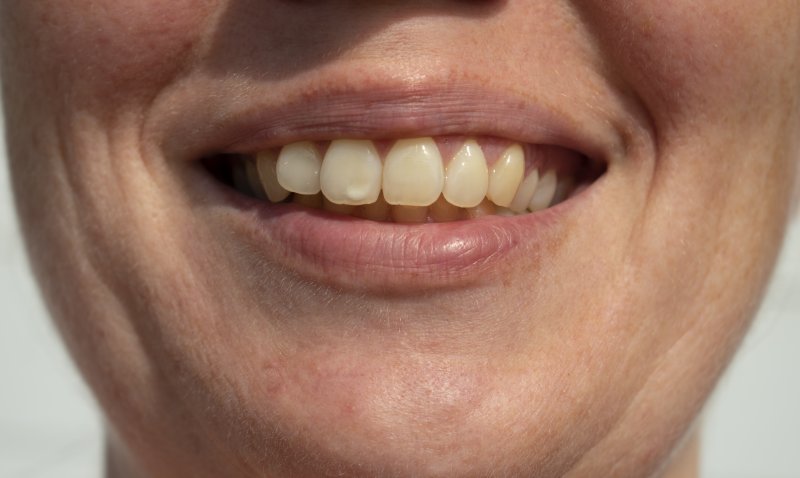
359 254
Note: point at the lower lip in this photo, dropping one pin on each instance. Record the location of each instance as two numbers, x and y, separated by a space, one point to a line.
357 254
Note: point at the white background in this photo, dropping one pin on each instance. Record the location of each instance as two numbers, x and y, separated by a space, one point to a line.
49 426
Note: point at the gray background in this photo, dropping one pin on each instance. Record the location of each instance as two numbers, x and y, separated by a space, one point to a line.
49 426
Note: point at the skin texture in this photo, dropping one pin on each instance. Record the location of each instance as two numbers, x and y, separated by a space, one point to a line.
591 358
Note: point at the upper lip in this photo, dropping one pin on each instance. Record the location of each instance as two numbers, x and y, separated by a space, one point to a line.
384 110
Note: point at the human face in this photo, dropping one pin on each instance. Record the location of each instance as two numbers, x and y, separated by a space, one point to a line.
228 336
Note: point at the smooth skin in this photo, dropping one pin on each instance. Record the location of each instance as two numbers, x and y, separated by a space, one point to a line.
592 358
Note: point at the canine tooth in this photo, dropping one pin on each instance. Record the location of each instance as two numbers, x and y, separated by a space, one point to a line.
266 164
380 210
413 174
443 211
466 177
485 208
351 172
344 209
298 168
410 214
308 200
252 178
506 175
544 193
525 192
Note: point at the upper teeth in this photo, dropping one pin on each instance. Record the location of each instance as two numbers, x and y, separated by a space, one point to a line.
412 174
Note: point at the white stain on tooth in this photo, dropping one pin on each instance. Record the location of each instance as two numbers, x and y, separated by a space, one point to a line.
351 172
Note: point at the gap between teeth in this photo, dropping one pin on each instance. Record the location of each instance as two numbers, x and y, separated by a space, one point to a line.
412 184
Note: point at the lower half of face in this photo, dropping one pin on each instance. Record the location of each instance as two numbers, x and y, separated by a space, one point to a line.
450 240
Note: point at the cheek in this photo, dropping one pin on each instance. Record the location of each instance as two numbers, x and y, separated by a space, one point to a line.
110 48
692 58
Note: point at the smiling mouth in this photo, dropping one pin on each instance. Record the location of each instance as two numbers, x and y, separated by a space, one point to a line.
411 181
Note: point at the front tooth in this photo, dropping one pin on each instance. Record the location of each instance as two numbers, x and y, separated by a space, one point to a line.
266 163
413 174
351 172
298 168
545 191
525 192
506 176
467 177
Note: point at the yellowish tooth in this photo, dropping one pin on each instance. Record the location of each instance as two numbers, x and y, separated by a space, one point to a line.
506 175
266 163
544 193
413 174
443 211
525 192
344 209
351 172
313 201
563 189
298 168
253 179
410 214
380 210
467 177
485 208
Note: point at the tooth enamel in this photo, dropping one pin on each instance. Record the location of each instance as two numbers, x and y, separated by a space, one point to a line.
266 164
298 168
413 174
443 211
351 172
544 193
467 177
525 192
506 175
410 214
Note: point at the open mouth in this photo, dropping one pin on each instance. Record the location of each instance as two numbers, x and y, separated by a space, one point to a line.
411 181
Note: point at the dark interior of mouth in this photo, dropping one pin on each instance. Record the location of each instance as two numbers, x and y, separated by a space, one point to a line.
230 170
